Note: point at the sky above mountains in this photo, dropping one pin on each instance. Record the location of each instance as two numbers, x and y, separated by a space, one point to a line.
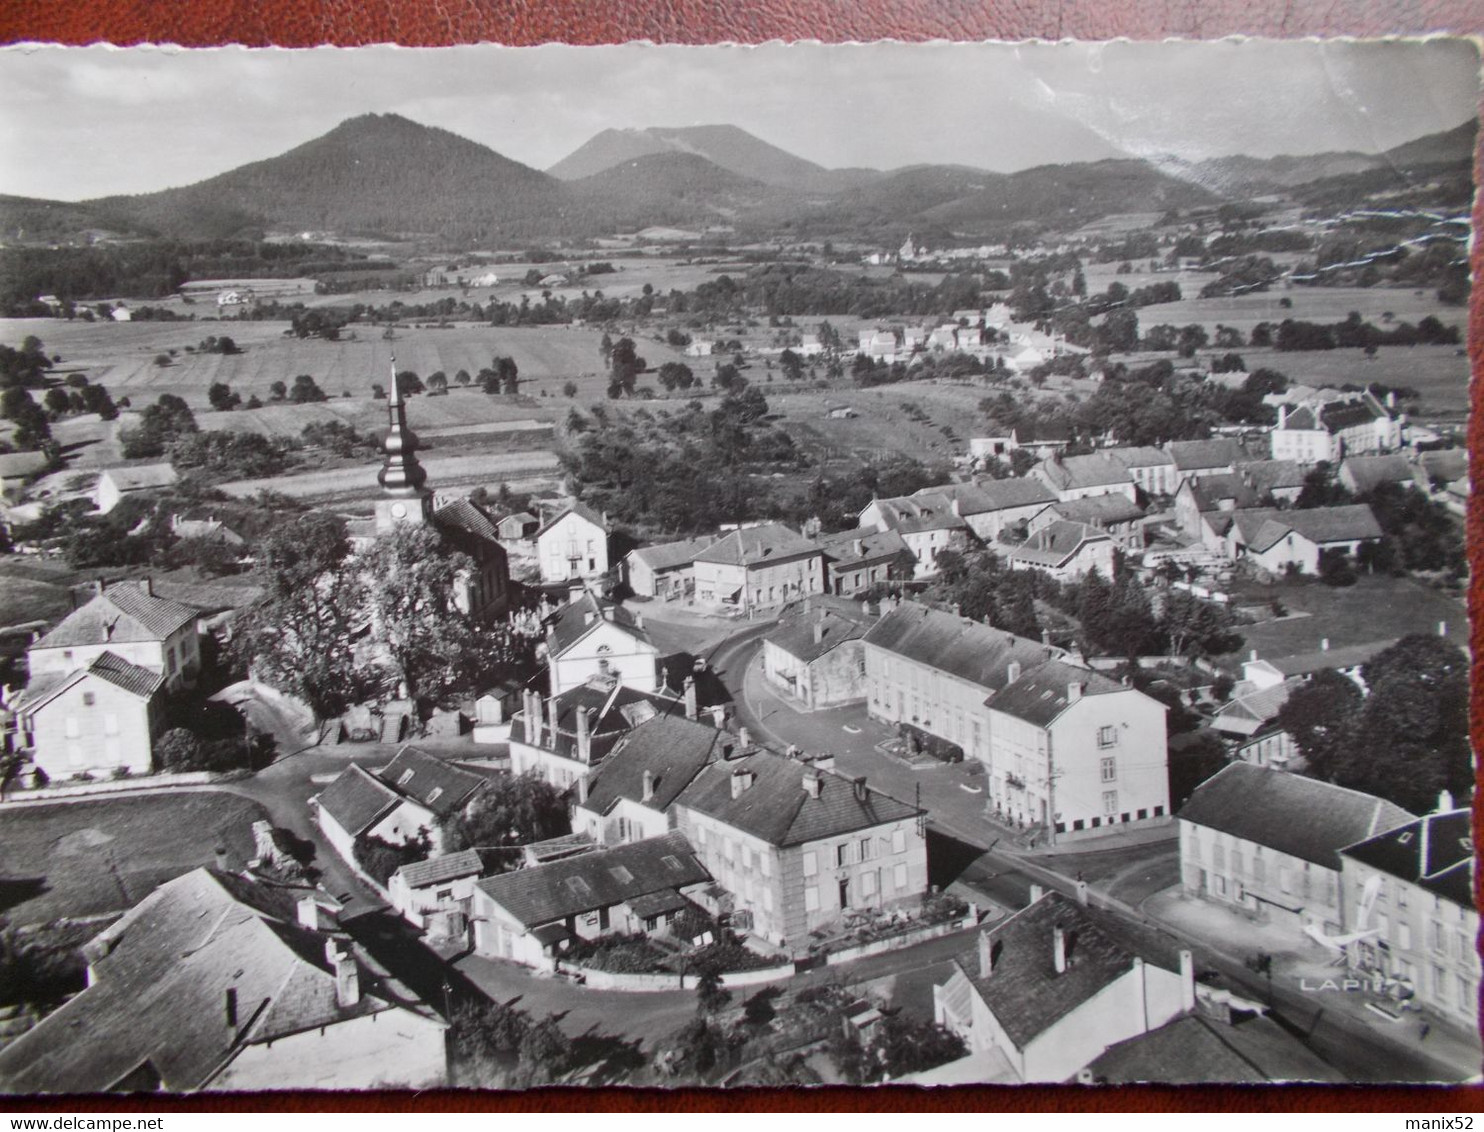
77 123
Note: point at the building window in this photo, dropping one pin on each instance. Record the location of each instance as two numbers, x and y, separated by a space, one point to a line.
811 899
842 855
811 864
1109 769
1108 736
868 884
1404 935
88 699
868 849
1110 801
899 841
899 877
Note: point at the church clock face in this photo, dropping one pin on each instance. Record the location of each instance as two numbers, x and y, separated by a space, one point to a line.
399 511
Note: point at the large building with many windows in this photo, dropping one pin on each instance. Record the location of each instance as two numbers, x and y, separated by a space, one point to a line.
1409 906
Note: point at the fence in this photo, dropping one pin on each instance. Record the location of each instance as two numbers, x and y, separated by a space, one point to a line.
134 783
620 981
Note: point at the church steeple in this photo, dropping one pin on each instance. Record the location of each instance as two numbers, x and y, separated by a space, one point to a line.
404 498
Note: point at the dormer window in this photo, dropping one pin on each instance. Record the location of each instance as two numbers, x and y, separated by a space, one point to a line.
405 778
89 699
434 794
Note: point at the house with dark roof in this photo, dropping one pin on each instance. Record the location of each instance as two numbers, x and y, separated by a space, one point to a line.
758 567
572 545
436 895
1066 550
1116 516
665 570
532 915
1055 985
859 559
130 621
482 591
1074 753
932 670
628 797
929 523
404 802
1364 474
564 738
115 483
1410 918
991 506
1268 843
1075 477
216 982
1280 541
99 719
1333 425
1195 459
797 848
590 638
814 654
1152 469
1248 721
1282 481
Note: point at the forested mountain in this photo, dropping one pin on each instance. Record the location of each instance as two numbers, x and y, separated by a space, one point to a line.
675 188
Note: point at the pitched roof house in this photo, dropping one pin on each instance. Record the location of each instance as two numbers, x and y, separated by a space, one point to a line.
1064 549
573 544
217 982
532 914
115 483
665 569
814 653
589 637
130 621
97 719
1056 984
1269 842
758 567
858 559
1072 477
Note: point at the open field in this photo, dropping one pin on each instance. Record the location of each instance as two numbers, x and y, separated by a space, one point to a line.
106 856
121 356
519 469
1438 373
883 426
1310 304
1374 609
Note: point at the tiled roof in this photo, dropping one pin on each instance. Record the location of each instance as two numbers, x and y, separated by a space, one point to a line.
1115 508
1054 544
1369 472
967 649
160 978
451 866
582 510
1271 475
1342 656
777 809
1002 495
1340 415
1209 492
1095 469
1043 693
1434 852
913 514
1024 992
669 555
142 476
1196 1051
836 622
581 616
430 781
462 515
1300 420
618 711
1319 525
1194 455
758 546
122 614
601 879
840 551
141 682
1447 464
1300 816
1258 705
672 749
1140 457
357 800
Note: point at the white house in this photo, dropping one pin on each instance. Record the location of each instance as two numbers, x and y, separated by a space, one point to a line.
1066 550
99 719
758 568
590 638
115 483
665 570
130 622
573 545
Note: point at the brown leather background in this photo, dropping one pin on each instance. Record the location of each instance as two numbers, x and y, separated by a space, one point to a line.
296 23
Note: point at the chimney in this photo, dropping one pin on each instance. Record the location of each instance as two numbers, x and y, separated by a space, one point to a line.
584 735
223 860
1059 949
1081 892
858 548
1324 644
813 783
1282 415
690 697
148 586
1037 892
1045 636
534 718
308 913
648 786
955 506
1442 628
1253 656
1187 981
1012 672
744 739
551 722
1391 399
1074 691
741 781
1445 802
639 621
347 978
818 632
231 1008
588 617
986 955
859 782
100 585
